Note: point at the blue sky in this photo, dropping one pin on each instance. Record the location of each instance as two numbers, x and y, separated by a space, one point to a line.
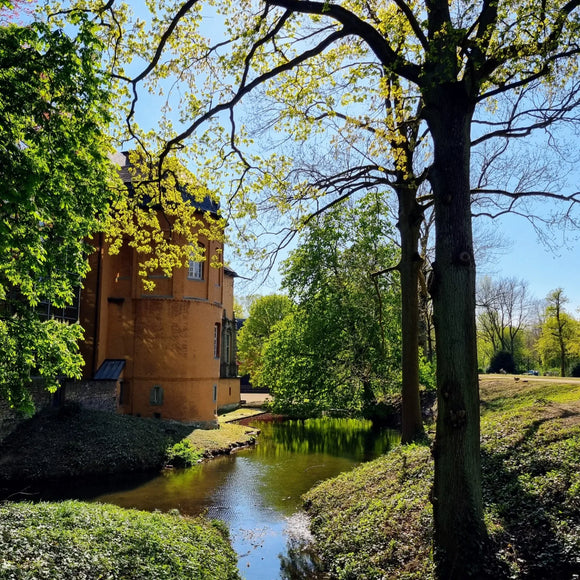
527 258
530 260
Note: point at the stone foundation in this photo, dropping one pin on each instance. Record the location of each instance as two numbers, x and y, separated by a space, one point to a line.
94 395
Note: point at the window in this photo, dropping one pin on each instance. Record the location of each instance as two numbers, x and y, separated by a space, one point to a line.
228 347
216 340
47 311
195 270
123 398
215 393
156 395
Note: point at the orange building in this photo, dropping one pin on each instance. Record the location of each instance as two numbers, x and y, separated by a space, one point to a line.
172 350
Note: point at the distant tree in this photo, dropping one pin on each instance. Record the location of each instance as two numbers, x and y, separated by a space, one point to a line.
56 182
502 362
560 333
504 310
265 312
341 347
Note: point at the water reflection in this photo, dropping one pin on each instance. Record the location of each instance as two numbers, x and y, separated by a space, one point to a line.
353 438
299 561
257 491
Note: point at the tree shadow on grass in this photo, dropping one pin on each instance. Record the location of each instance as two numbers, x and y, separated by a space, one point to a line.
527 486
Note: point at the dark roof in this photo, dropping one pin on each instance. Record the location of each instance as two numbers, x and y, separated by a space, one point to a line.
207 204
229 272
110 370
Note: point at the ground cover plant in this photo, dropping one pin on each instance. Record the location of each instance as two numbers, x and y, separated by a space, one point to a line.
74 540
228 436
376 521
72 442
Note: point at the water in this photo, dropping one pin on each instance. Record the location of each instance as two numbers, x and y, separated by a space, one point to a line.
257 491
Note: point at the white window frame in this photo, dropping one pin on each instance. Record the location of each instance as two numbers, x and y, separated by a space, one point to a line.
156 395
228 347
195 269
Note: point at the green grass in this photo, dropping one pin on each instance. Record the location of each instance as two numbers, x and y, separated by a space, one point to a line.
75 541
229 435
376 521
74 442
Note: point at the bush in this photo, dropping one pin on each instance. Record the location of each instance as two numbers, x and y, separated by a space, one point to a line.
81 443
575 372
79 540
183 454
502 361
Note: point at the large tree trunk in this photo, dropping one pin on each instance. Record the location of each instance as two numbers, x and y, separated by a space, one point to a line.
410 217
460 534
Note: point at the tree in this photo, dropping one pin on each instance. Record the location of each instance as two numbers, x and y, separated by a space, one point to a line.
56 188
340 347
502 362
384 154
504 309
560 333
265 312
465 57
459 58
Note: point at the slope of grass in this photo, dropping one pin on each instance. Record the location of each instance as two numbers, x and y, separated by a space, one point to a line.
75 541
376 521
72 442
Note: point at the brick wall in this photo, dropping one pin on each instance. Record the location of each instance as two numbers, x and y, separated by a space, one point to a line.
95 395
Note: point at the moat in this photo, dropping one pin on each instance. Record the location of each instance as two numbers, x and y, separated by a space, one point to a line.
257 491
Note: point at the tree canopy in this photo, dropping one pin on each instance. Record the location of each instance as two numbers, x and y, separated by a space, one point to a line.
265 313
559 342
340 346
57 184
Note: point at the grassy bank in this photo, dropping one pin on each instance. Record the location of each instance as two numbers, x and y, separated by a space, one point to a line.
72 443
73 540
376 521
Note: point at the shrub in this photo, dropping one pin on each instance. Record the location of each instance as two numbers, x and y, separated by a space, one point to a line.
183 454
427 373
575 372
502 361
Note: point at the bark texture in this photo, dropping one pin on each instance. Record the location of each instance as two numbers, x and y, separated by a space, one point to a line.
410 218
460 535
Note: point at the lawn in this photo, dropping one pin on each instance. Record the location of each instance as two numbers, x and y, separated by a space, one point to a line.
376 521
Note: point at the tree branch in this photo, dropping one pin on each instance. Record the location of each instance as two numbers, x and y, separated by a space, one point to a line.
358 27
244 89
